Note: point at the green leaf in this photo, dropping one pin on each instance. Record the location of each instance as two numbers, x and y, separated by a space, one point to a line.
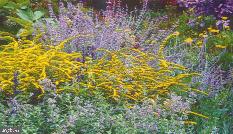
25 15
187 79
23 2
227 57
23 23
23 7
11 5
3 3
37 15
27 26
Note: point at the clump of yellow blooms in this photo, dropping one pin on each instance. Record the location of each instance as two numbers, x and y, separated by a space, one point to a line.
188 40
224 18
34 62
211 30
126 73
220 46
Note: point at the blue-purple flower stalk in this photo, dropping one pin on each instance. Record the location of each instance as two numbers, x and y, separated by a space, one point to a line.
218 8
111 31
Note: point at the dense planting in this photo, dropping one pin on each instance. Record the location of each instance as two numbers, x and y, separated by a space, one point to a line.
218 8
72 69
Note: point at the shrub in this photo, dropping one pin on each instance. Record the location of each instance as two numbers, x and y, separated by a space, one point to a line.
218 108
24 63
221 44
209 48
127 73
131 74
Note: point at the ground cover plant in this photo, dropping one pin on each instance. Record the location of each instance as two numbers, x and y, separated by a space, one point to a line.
72 69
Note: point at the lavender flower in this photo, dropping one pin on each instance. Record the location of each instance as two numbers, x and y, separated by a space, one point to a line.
217 8
116 30
222 24
14 105
215 79
47 84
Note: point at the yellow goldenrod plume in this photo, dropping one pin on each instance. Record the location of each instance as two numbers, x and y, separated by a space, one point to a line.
197 114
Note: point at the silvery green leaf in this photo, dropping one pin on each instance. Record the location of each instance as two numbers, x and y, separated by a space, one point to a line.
23 7
37 15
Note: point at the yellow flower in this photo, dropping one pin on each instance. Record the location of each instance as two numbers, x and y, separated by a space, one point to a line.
176 33
227 27
199 43
130 106
188 40
57 82
190 122
205 36
220 46
197 114
210 28
153 42
164 64
115 93
224 18
214 31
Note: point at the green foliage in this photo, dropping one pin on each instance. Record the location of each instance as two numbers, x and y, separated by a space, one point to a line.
129 91
191 26
29 15
3 3
222 44
201 30
219 109
26 19
14 4
19 11
26 29
67 113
